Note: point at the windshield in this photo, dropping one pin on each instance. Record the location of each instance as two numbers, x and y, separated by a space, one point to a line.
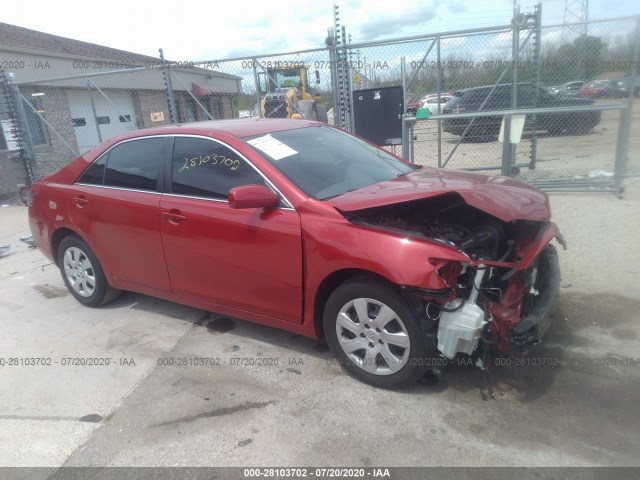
286 78
325 162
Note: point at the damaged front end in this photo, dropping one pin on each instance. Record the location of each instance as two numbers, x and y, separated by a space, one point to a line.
499 278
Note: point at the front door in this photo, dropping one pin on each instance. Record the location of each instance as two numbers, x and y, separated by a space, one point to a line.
247 259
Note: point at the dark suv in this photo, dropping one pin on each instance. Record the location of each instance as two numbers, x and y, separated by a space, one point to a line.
529 96
624 84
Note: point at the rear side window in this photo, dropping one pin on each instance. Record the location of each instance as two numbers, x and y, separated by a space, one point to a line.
94 175
455 100
500 98
527 95
204 168
132 164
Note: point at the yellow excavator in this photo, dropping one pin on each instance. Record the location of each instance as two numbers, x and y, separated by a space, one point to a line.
287 94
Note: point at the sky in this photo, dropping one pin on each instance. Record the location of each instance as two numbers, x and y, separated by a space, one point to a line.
217 30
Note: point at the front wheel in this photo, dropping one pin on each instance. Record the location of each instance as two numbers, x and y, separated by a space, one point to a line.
82 273
375 335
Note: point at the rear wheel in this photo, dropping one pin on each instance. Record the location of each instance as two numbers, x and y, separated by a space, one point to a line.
82 273
375 335
580 129
481 134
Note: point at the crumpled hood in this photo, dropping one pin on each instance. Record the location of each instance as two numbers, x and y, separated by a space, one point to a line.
504 198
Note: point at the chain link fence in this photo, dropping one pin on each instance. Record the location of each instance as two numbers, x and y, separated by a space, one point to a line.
569 94
16 159
307 73
597 62
471 82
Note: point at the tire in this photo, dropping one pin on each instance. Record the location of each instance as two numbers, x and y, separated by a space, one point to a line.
580 129
555 130
481 134
362 340
82 273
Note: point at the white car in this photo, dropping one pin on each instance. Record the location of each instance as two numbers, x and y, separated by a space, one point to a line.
431 102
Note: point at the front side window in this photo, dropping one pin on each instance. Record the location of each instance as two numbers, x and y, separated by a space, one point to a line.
204 168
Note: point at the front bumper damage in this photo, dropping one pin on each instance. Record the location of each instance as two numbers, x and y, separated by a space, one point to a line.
508 304
532 328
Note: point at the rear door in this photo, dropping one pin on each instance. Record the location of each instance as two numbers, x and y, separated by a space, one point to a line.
115 208
246 259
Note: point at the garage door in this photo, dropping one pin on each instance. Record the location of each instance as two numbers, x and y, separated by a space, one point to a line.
108 120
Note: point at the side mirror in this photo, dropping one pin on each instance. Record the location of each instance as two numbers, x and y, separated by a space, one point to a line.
252 196
317 77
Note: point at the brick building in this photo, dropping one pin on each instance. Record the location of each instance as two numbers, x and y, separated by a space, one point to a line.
77 94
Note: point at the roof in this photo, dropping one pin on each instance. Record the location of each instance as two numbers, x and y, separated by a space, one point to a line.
15 38
238 127
244 127
462 91
27 39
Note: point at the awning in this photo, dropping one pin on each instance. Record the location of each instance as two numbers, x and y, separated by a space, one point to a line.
199 90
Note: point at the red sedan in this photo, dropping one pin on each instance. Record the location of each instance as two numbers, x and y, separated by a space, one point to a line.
600 89
303 227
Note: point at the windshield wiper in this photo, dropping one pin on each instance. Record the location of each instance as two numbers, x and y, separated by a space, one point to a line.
413 168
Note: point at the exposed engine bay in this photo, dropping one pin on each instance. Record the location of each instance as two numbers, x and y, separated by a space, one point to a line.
500 297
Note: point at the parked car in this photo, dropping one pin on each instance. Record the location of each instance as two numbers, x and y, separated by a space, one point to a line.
553 90
623 84
434 102
303 227
570 89
413 103
601 89
498 97
429 101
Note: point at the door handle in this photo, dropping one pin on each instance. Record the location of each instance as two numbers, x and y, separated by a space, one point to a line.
80 201
174 216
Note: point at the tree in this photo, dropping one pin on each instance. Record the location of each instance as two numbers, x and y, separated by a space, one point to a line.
581 59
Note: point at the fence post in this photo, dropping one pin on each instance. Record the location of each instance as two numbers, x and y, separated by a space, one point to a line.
171 101
439 89
537 45
624 128
405 137
21 123
93 109
508 148
256 80
352 117
333 67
